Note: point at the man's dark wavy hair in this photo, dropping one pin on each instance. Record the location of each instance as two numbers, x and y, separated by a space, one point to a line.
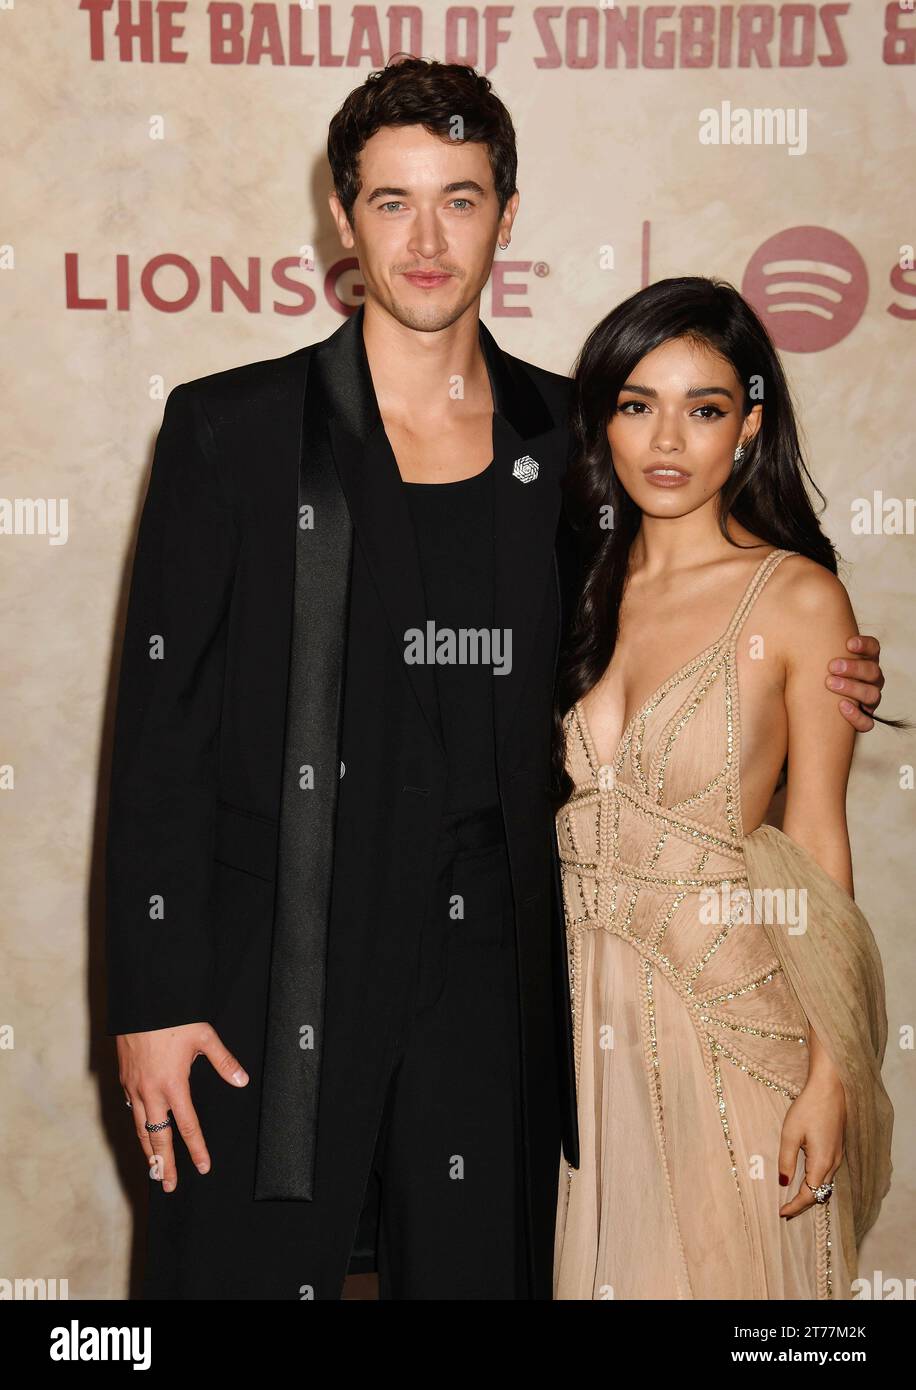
420 91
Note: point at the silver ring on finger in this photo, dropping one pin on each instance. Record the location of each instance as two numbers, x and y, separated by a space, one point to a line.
822 1192
163 1124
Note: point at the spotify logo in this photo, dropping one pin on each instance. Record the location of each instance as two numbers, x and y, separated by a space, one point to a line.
809 286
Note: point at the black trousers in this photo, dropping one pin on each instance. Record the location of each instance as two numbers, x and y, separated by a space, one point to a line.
444 1205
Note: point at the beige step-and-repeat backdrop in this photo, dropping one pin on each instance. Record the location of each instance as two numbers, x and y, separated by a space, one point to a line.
164 179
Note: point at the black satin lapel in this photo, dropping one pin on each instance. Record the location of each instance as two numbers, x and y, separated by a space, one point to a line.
287 1138
515 396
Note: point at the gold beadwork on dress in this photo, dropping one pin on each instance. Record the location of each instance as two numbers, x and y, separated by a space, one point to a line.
822 1224
679 826
723 1114
650 1041
707 956
665 917
790 1091
757 1030
743 989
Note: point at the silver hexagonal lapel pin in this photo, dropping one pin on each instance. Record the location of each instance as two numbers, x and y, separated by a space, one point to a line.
525 469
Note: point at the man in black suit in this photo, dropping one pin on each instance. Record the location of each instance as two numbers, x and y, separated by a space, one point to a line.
331 869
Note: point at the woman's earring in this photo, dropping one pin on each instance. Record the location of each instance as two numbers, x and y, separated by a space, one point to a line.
739 453
504 246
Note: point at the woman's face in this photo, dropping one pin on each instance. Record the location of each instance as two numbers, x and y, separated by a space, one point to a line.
678 421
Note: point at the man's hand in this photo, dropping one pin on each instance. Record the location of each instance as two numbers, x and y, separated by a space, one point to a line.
858 680
154 1069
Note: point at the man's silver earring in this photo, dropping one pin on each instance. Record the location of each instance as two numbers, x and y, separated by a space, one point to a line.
504 246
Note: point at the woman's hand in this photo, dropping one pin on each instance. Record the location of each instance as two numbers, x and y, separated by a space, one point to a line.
815 1122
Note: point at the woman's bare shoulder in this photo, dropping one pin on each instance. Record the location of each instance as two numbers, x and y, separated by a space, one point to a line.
811 605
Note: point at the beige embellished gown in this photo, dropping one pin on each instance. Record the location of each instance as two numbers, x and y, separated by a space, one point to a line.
691 1021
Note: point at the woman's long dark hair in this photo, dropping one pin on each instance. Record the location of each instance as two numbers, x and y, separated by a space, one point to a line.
766 491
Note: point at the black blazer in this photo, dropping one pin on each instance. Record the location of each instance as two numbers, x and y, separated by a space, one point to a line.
269 493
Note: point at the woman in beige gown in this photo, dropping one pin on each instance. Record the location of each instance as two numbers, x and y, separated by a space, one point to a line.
705 962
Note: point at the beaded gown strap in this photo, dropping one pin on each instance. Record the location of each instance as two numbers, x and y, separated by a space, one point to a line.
732 694
578 764
752 592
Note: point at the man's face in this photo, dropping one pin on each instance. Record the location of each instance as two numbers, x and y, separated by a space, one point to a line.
425 224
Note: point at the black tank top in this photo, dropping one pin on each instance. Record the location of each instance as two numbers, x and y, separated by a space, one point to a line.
455 532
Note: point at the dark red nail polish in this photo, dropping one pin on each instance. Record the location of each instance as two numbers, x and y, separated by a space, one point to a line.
783 1180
